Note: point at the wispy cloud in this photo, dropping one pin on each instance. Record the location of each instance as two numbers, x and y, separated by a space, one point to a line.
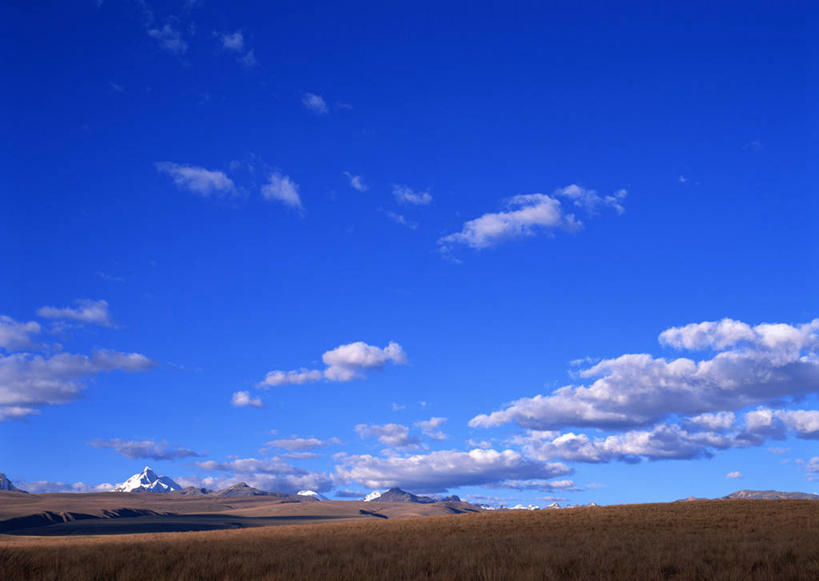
282 189
406 195
315 103
144 449
169 38
197 179
16 335
394 435
85 311
356 182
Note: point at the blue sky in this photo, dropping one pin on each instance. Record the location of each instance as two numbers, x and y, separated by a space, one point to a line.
356 245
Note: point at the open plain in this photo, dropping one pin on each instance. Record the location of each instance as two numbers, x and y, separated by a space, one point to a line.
737 539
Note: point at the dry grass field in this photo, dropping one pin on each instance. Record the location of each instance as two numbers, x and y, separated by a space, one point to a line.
777 539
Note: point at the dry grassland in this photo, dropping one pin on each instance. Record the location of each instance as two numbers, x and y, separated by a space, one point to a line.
758 539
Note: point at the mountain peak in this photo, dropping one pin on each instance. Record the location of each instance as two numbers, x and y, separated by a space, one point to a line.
5 484
148 481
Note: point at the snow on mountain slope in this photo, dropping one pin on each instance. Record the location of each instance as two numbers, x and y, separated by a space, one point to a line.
148 481
374 495
312 493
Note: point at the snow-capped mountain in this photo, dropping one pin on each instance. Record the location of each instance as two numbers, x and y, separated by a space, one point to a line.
5 484
148 481
374 495
312 493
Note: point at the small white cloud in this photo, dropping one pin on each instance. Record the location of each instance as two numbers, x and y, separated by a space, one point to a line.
243 399
197 179
169 39
733 475
301 444
86 311
234 41
397 407
294 377
281 188
431 428
356 182
401 219
683 180
315 103
248 59
394 435
405 195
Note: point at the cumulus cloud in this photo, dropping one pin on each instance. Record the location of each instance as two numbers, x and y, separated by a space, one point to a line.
16 335
531 214
779 362
282 189
85 311
733 475
315 103
169 38
441 470
265 474
394 435
241 399
356 182
197 179
300 444
431 428
344 363
29 381
406 195
144 449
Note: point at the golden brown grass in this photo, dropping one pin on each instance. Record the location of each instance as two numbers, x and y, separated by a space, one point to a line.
757 539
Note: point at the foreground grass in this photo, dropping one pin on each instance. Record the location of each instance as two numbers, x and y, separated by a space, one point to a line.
777 539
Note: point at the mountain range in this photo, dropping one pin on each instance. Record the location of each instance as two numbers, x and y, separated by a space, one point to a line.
398 495
5 484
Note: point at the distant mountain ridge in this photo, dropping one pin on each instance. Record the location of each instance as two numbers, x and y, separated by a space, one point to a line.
398 495
5 484
770 495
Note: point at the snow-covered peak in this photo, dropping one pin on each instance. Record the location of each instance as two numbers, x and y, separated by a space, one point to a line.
523 507
374 495
148 481
312 493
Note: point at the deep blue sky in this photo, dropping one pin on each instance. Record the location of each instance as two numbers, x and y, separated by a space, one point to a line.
704 113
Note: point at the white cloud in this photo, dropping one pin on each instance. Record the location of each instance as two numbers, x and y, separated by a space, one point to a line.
39 486
637 389
714 421
431 428
401 219
281 188
15 335
248 59
526 215
265 474
144 449
296 443
405 195
590 200
356 182
441 470
169 39
315 103
708 335
394 435
531 214
241 399
344 363
233 41
29 381
347 362
293 377
86 311
197 179
734 475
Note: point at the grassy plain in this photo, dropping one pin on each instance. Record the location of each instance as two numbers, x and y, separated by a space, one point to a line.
757 539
